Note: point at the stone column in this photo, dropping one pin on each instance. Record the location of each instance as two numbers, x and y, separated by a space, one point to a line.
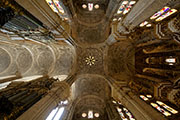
140 109
174 96
59 92
112 112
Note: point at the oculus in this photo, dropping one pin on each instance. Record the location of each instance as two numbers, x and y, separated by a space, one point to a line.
90 60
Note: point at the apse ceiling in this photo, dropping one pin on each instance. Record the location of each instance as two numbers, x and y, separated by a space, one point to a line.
89 21
90 11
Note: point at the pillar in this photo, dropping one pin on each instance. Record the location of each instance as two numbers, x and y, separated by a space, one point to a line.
173 96
112 112
59 92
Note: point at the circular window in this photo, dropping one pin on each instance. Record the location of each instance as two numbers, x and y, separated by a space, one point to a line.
96 6
84 115
96 114
84 6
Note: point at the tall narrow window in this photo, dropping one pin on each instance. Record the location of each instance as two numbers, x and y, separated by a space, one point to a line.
90 114
160 12
172 11
124 113
121 114
160 106
59 114
143 23
163 13
171 61
125 7
52 114
144 98
56 113
51 4
122 7
167 107
129 114
90 6
128 8
160 109
59 7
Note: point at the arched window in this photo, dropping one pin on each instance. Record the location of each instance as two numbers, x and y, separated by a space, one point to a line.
124 113
90 114
163 13
56 113
125 7
158 105
160 109
159 13
52 6
173 111
57 8
170 60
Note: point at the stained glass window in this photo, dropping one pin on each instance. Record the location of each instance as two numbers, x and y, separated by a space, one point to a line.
119 103
129 114
160 109
166 111
51 4
114 102
59 7
55 6
165 9
148 25
128 8
90 6
171 60
125 7
144 98
167 107
90 114
96 115
96 6
84 114
121 114
143 23
124 113
149 96
114 19
84 6
122 7
170 12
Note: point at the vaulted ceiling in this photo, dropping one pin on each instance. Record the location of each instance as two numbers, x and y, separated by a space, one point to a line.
99 54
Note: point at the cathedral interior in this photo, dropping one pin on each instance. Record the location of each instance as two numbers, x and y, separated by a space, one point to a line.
89 59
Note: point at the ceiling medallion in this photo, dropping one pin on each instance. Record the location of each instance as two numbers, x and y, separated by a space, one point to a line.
90 60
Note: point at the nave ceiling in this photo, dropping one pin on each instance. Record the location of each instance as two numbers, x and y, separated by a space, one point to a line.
95 47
